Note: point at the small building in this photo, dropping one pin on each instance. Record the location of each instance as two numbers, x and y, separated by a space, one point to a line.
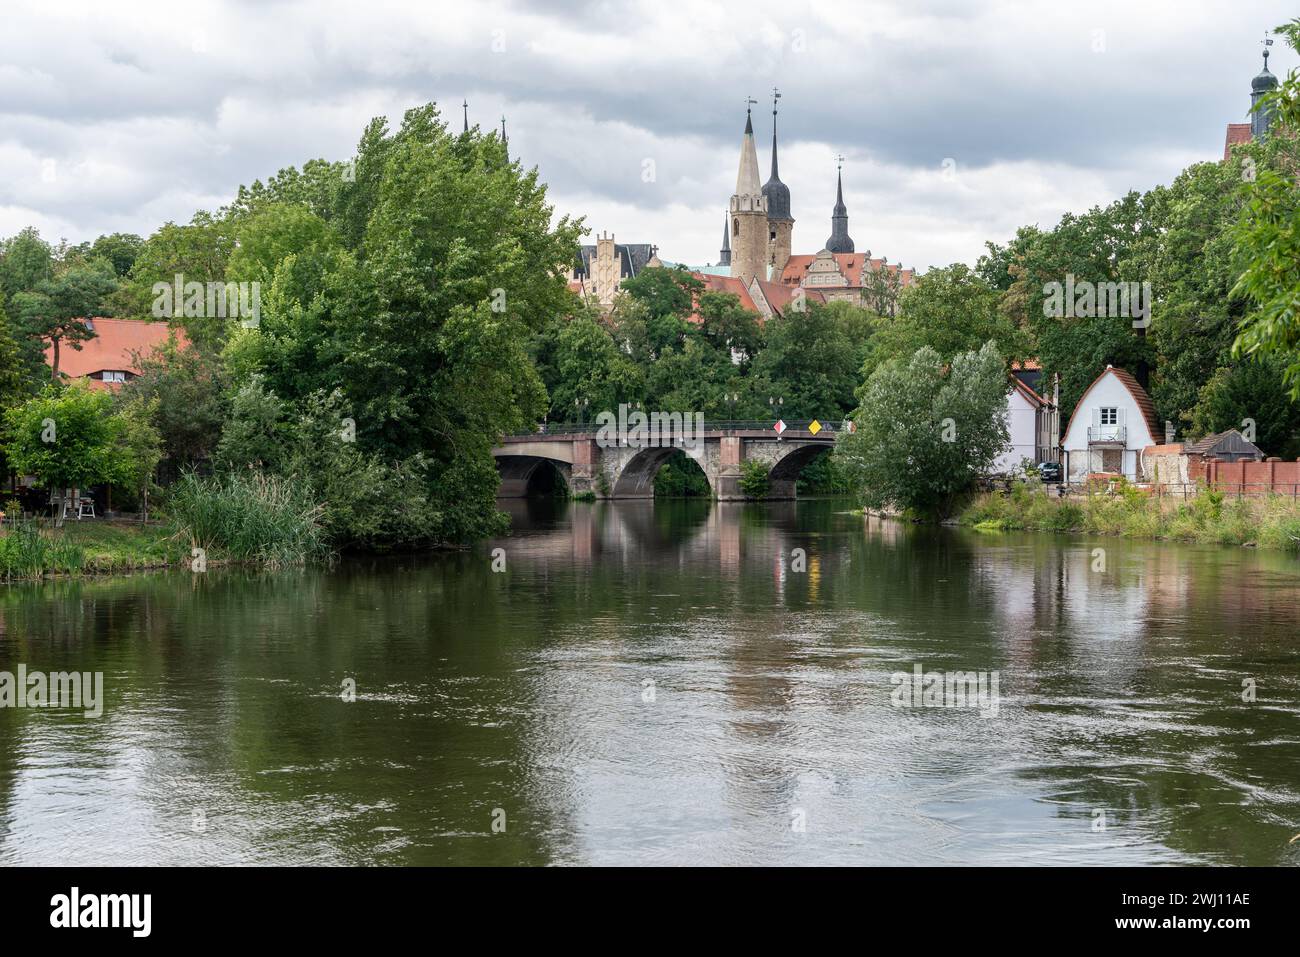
1033 428
1229 446
1110 427
112 356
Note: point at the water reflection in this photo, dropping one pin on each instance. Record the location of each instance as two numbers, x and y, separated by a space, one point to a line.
660 684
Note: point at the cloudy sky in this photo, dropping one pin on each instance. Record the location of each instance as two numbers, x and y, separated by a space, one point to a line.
958 120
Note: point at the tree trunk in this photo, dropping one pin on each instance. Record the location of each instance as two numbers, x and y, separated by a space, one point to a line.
54 368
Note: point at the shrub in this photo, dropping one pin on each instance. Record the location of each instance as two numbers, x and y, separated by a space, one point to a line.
753 479
248 516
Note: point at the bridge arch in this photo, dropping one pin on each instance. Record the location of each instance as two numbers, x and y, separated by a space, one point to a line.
636 476
519 473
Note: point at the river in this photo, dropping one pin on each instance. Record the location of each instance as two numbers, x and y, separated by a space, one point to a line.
626 683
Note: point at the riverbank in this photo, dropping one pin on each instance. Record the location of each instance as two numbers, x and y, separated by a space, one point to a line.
36 550
1208 518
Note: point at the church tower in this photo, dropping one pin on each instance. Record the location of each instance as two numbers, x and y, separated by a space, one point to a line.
840 241
780 224
1264 82
724 254
749 233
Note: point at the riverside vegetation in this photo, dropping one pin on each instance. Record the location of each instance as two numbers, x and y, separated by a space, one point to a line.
1271 521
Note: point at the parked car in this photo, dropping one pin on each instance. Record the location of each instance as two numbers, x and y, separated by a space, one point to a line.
1049 471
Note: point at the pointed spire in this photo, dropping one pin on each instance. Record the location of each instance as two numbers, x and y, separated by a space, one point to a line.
840 241
505 140
748 195
776 192
724 257
465 105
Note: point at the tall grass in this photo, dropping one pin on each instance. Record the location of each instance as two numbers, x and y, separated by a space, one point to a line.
26 553
248 516
1269 521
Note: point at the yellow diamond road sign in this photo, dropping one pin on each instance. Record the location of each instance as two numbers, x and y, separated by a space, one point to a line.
815 427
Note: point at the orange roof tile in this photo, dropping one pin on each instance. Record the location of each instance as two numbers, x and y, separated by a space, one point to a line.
115 345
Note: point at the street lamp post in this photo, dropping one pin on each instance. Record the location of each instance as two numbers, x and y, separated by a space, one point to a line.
581 406
732 399
775 402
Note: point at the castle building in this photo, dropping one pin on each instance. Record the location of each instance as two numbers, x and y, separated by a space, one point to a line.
757 246
1263 83
601 268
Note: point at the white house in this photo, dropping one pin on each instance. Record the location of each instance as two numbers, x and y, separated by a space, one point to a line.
1032 429
1113 422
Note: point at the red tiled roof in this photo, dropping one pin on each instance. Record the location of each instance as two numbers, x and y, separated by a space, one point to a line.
850 264
780 296
1238 133
731 284
114 347
1144 403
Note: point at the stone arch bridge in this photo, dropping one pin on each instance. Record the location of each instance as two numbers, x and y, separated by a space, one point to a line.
627 470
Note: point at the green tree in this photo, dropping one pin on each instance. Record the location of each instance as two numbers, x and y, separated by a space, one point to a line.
56 310
926 431
810 360
191 386
255 434
950 309
1251 391
1268 238
139 445
67 438
26 260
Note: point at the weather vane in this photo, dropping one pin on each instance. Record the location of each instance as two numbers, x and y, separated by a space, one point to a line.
776 95
749 103
839 161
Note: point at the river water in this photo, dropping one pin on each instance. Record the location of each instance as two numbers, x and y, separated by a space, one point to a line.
681 683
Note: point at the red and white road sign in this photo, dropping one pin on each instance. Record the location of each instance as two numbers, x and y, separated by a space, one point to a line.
779 427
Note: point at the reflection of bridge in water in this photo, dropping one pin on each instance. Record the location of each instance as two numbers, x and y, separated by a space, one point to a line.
627 469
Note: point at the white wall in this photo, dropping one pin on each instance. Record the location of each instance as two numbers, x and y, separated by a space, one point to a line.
1022 434
1107 391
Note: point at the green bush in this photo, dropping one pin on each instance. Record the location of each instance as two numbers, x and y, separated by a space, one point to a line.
248 516
753 479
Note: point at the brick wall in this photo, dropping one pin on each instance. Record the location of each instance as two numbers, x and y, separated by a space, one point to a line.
1248 478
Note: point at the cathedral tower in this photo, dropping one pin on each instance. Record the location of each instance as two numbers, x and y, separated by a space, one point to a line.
749 233
840 242
780 224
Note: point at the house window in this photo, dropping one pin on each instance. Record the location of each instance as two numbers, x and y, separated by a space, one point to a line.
112 375
1110 416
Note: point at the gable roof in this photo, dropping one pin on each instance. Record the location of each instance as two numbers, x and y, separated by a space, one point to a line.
1139 394
1236 442
114 347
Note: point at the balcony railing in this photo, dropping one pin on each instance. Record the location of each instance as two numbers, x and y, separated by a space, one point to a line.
1107 435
